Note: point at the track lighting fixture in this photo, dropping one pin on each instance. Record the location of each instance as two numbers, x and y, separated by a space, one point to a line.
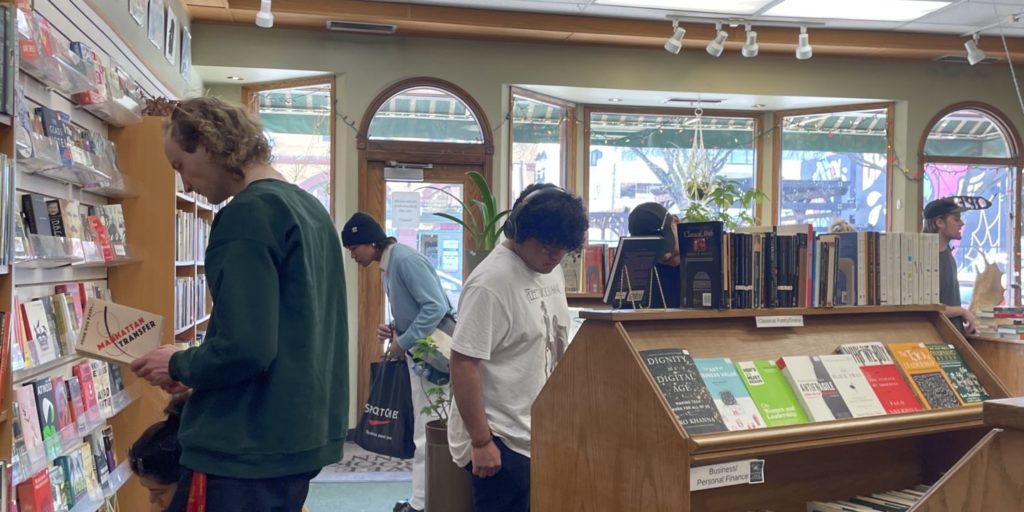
974 54
750 47
803 45
264 18
675 43
716 46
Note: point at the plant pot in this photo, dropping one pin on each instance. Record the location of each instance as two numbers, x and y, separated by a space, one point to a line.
473 259
449 487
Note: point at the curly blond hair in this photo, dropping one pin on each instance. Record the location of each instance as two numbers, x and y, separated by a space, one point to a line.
228 133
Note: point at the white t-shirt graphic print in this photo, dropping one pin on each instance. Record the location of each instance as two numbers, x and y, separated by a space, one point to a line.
515 321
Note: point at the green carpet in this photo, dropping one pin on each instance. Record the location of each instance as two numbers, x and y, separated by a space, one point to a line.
356 497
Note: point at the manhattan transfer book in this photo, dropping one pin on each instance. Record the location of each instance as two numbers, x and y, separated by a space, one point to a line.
116 333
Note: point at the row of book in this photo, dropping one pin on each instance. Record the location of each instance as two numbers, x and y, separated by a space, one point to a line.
586 270
860 380
191 234
781 266
891 501
1006 322
101 227
73 67
45 328
189 301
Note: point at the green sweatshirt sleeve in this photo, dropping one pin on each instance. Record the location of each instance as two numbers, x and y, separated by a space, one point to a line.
245 293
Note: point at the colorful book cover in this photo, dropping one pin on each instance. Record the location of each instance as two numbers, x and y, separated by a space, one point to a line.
101 382
79 482
108 448
41 335
60 401
113 219
680 382
95 476
965 382
64 462
75 401
851 384
98 233
58 489
700 249
774 398
29 416
84 373
55 332
630 275
47 410
926 378
20 452
884 376
731 397
814 388
572 269
35 494
593 268
117 333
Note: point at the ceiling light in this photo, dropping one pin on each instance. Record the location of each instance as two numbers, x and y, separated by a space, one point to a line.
803 45
675 43
750 47
870 10
615 100
747 7
974 54
264 18
237 78
716 46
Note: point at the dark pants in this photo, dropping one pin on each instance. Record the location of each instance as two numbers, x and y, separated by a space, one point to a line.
509 489
282 494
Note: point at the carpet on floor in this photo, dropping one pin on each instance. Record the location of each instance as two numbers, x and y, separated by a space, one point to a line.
359 465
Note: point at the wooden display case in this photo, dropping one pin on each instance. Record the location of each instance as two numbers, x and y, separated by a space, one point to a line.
605 439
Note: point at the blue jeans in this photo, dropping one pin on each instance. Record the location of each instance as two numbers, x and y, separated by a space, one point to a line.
282 494
509 489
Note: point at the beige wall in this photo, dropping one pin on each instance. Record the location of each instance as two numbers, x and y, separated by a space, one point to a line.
226 92
368 64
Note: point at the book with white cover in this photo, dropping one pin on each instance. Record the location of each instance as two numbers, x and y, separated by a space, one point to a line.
117 333
855 389
813 388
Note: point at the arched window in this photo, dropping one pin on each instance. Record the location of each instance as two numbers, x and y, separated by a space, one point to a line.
425 114
971 150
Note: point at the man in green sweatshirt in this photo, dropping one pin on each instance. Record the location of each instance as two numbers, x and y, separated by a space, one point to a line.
269 384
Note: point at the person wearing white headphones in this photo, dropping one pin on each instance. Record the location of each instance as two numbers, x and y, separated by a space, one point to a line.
512 329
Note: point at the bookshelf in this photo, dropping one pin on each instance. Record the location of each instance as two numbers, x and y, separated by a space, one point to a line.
604 437
1005 357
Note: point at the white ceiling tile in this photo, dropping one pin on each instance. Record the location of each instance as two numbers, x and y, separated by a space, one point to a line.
976 14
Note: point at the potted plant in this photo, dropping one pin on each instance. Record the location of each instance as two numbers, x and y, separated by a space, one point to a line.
449 487
483 221
714 199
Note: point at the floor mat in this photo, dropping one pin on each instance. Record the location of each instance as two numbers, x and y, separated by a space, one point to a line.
359 465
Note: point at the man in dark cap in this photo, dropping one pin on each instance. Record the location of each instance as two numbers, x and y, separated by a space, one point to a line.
653 219
942 216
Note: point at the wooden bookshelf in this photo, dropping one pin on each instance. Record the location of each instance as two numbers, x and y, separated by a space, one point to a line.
605 439
586 300
7 147
1006 357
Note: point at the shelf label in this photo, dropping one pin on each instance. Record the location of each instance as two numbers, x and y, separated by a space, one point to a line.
780 321
738 472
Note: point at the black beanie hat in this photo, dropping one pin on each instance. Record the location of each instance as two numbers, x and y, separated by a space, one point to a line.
362 229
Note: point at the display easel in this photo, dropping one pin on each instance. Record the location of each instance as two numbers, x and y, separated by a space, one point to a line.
626 290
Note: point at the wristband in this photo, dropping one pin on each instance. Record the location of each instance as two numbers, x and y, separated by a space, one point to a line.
481 445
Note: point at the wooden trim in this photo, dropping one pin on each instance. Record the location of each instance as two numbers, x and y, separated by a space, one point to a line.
540 97
569 150
671 111
835 109
890 162
585 193
566 136
250 91
777 164
698 314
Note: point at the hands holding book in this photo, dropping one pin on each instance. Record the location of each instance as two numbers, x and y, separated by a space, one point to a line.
155 368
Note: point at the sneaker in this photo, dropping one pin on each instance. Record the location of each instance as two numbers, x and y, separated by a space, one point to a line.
405 506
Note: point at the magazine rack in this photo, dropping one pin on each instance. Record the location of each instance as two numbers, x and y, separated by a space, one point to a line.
605 439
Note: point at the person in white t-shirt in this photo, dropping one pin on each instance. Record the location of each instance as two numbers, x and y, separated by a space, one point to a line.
511 332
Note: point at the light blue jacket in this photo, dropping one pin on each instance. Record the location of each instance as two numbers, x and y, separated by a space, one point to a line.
418 302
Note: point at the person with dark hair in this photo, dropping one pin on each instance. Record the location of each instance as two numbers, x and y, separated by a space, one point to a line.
512 330
418 306
154 457
269 384
653 219
942 216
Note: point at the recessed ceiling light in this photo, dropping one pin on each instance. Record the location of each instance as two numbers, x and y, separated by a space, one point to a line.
759 105
615 100
719 6
233 77
873 10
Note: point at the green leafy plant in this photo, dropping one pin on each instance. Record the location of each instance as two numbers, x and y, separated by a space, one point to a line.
483 221
439 399
714 204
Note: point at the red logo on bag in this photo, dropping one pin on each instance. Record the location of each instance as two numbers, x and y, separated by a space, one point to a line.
377 423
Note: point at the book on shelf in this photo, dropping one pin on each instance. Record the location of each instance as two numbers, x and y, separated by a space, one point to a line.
814 388
58 488
118 333
630 280
47 411
33 210
593 268
60 402
730 395
83 371
772 395
853 387
94 477
883 375
101 381
29 419
964 381
700 248
926 378
35 494
682 386
572 269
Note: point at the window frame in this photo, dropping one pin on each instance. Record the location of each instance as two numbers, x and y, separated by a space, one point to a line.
567 136
1014 161
779 115
759 145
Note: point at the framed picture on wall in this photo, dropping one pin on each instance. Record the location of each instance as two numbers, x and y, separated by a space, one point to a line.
186 52
155 30
171 37
137 10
